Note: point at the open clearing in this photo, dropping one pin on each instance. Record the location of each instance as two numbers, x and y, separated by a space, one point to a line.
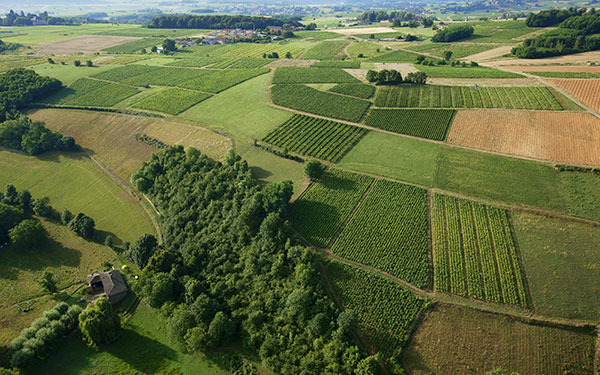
565 137
112 137
489 54
85 43
586 90
453 341
365 30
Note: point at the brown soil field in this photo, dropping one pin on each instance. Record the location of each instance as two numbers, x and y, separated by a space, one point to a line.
578 58
586 90
555 68
112 137
564 137
494 82
460 341
489 54
85 43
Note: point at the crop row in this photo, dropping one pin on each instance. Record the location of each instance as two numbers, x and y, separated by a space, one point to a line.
93 93
80 87
424 123
474 252
312 75
389 231
195 62
385 309
243 63
311 136
134 46
326 204
304 98
329 50
430 96
359 90
465 72
218 80
346 64
172 100
256 50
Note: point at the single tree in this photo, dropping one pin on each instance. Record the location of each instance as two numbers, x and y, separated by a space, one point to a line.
48 283
89 63
28 234
447 55
77 63
141 251
169 45
99 324
313 169
83 225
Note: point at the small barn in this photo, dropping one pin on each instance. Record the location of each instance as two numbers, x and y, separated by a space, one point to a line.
107 284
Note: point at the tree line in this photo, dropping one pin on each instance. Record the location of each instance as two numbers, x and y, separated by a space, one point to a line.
453 33
229 271
394 77
577 32
218 22
19 87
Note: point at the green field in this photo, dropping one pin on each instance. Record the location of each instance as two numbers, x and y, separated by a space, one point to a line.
562 266
68 74
134 46
389 232
326 204
172 101
91 92
307 99
430 96
311 136
161 76
485 342
474 252
124 72
360 90
398 56
219 80
465 72
331 50
73 182
385 309
459 50
503 31
368 50
195 62
312 75
254 50
566 74
428 123
243 63
346 64
581 191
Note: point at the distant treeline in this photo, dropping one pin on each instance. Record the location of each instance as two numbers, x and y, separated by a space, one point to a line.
218 22
576 33
551 17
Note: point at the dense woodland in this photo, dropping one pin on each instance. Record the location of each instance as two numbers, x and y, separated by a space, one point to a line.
578 31
231 273
453 33
19 87
217 22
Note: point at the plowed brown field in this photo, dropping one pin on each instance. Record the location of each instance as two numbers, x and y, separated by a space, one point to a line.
586 90
564 137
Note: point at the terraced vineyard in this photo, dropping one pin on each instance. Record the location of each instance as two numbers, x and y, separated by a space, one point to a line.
424 123
312 75
359 90
304 98
385 309
172 101
326 204
475 255
320 138
389 232
219 80
430 96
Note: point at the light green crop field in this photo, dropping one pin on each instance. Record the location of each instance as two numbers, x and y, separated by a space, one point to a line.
73 182
459 50
144 348
466 72
68 74
581 191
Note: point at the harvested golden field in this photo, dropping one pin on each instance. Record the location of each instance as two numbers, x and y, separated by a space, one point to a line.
565 137
112 137
555 68
460 341
576 58
586 90
85 43
489 54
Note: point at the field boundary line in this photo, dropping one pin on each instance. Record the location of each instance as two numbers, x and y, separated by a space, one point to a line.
479 261
351 214
493 248
463 256
525 278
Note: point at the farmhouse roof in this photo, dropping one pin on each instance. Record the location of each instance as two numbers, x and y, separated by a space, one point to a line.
112 282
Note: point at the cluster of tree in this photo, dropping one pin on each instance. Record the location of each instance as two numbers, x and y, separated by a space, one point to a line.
33 138
551 17
43 334
5 47
387 16
421 60
393 77
99 323
16 207
19 87
577 33
453 33
218 22
13 18
142 17
232 273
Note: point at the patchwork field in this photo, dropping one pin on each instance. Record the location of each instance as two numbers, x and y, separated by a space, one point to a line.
359 90
465 72
467 97
399 56
312 75
320 138
112 137
454 340
219 80
86 44
91 92
585 90
459 50
572 138
389 232
424 123
304 98
172 101
474 252
385 309
134 45
326 204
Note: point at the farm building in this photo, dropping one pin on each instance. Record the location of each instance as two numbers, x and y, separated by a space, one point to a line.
107 284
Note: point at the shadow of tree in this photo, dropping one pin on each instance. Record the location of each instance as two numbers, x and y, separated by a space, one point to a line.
260 173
